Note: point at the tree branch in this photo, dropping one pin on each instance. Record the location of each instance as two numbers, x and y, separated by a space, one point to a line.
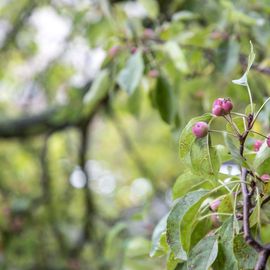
19 23
246 213
262 261
36 124
53 119
266 200
130 147
263 250
88 198
47 196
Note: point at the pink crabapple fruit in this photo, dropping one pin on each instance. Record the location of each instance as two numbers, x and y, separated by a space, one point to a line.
133 50
153 73
218 101
200 129
113 51
257 145
215 220
222 106
217 110
265 177
214 205
227 106
148 33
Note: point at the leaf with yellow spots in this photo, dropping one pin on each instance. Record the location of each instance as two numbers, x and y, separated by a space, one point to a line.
204 158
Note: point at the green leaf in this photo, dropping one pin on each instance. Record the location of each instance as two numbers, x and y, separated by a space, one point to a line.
182 266
137 247
204 158
255 216
164 97
188 225
201 229
187 137
98 90
228 54
237 158
184 15
203 254
159 230
129 78
135 101
245 255
226 205
177 56
176 215
184 183
251 58
248 109
239 122
112 240
265 233
19 205
223 153
151 7
172 262
262 159
226 259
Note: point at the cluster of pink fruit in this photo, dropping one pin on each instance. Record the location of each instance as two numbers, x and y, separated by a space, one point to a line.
258 143
147 35
222 107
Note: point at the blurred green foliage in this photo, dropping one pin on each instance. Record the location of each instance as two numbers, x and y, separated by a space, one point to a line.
93 96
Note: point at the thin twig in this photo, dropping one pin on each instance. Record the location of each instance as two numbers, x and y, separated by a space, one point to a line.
266 200
255 132
220 131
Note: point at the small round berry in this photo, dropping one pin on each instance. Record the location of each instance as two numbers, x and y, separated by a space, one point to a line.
265 177
200 129
215 220
217 110
218 101
113 51
133 50
148 33
214 205
268 141
153 73
257 145
216 35
227 106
